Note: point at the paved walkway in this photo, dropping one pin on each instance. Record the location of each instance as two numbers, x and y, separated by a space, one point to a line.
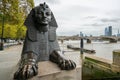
8 60
10 57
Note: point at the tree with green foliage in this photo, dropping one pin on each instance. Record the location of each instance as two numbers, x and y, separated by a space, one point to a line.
14 14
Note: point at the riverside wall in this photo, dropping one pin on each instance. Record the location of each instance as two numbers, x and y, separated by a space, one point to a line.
96 67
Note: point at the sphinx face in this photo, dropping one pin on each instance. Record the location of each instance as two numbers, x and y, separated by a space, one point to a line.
43 16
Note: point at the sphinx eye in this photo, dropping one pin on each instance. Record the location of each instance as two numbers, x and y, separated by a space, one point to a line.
48 13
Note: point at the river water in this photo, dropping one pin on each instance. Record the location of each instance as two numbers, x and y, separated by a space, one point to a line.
103 49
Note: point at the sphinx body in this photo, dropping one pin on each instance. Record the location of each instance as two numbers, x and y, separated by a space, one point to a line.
40 44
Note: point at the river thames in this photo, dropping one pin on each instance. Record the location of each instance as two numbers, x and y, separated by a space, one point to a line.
103 49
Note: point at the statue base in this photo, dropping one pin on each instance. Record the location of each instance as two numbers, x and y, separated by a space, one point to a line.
48 70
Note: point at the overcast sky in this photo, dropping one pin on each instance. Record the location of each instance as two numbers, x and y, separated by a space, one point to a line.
87 16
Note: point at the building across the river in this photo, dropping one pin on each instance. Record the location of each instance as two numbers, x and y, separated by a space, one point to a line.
108 31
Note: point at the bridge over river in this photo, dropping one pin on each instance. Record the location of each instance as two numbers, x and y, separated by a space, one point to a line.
111 39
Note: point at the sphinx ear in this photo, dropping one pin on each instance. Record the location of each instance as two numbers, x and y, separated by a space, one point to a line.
53 22
29 20
29 23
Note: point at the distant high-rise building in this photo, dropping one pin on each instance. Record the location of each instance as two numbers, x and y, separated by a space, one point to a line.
108 31
118 34
81 34
90 35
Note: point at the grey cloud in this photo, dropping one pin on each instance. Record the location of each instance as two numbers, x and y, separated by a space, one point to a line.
94 24
97 24
114 20
90 17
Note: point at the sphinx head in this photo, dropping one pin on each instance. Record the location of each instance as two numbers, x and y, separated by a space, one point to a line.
43 14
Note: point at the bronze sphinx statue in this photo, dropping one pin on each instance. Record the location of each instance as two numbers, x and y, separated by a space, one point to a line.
40 44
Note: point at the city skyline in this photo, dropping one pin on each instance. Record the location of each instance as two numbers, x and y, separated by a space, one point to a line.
89 17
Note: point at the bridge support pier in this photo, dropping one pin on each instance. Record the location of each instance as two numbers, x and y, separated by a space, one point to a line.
113 41
88 41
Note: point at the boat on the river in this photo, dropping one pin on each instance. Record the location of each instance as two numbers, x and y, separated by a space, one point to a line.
79 49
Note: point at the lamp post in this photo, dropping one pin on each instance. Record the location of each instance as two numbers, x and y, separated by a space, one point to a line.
81 49
2 34
81 44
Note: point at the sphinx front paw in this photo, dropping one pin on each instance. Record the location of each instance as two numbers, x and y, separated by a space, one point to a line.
61 61
26 72
67 64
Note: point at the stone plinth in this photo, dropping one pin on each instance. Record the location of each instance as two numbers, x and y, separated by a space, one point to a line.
50 71
116 57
